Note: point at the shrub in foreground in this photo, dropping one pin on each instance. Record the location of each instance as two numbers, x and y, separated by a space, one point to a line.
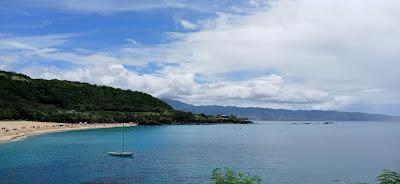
389 177
227 176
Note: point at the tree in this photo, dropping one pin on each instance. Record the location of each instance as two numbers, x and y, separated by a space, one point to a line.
389 177
227 176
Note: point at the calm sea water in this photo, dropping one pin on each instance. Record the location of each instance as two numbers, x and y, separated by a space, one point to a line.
279 152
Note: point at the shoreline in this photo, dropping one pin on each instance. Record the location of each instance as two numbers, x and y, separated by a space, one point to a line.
16 130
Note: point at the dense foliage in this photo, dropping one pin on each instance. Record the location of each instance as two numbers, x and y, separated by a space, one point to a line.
389 177
227 176
64 101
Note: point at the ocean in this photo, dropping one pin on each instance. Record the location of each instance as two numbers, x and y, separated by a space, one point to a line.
285 152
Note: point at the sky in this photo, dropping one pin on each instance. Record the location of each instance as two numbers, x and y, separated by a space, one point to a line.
291 54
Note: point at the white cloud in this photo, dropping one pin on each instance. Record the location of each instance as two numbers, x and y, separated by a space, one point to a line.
134 42
271 90
107 6
187 25
8 58
30 26
336 46
113 6
34 42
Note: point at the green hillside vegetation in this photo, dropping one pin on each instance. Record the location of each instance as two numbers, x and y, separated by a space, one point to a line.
228 176
23 98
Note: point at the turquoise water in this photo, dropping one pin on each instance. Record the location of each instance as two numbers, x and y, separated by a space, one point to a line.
279 152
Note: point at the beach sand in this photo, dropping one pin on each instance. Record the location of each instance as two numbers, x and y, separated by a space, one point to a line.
13 130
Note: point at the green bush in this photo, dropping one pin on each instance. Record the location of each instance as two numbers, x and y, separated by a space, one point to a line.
227 176
389 177
183 116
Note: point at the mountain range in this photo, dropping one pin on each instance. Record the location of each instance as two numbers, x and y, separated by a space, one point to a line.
256 113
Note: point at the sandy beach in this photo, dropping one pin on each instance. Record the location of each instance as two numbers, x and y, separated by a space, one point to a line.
13 130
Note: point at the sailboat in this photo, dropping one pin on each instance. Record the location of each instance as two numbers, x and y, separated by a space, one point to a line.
122 153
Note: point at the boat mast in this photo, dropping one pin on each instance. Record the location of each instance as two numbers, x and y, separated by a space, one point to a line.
123 137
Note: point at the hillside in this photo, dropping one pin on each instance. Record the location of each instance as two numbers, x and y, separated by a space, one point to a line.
254 113
22 97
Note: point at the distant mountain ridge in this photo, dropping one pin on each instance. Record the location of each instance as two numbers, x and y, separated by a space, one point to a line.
255 113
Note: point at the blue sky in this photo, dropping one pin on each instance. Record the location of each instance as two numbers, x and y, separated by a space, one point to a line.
146 27
277 54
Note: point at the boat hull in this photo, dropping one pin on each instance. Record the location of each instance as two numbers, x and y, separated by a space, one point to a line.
120 154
